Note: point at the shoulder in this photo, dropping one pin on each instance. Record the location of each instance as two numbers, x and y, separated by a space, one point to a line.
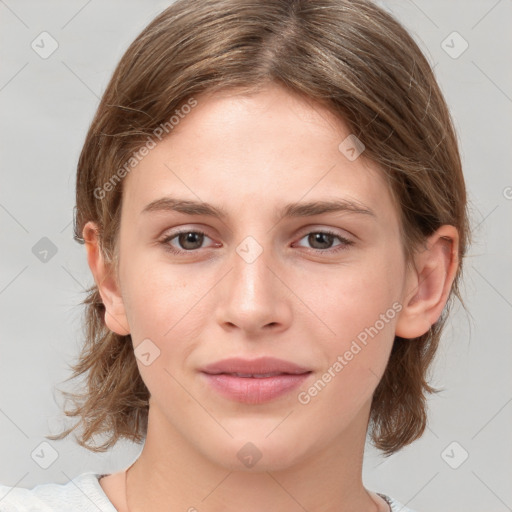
81 494
395 505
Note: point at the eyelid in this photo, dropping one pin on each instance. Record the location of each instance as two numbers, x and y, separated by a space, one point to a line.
174 231
343 245
304 231
342 233
167 236
345 241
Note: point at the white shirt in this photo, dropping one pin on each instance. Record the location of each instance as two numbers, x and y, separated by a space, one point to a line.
82 494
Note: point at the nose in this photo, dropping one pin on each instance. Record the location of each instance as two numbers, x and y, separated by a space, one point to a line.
253 296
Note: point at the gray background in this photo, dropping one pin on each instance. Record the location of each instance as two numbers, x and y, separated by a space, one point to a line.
47 105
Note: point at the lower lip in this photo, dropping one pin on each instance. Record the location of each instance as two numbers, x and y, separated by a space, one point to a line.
251 390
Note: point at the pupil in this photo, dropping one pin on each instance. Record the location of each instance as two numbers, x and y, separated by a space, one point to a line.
318 237
186 238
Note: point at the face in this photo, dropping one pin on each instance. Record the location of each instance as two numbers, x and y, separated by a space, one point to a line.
316 287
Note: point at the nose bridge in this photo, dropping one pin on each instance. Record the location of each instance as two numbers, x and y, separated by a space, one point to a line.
252 297
252 278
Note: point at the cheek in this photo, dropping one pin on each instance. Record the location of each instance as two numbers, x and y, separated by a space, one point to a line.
355 296
360 307
362 312
163 322
154 292
164 304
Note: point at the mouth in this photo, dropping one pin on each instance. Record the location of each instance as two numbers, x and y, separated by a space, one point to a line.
262 366
252 375
254 381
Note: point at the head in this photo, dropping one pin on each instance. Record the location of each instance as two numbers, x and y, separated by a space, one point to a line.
300 102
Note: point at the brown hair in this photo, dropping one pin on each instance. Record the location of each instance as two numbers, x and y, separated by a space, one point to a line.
349 55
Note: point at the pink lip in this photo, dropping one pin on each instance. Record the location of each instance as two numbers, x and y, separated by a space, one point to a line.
260 365
284 377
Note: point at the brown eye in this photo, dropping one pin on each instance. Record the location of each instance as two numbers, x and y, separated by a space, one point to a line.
322 241
191 240
185 241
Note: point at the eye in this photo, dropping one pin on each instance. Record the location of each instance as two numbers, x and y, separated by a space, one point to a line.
188 240
323 241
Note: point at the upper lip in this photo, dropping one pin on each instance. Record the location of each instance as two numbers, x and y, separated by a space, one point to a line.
262 365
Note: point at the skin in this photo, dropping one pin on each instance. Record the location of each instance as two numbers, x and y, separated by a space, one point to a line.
251 155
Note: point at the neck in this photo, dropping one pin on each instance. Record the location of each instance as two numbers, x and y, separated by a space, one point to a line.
170 474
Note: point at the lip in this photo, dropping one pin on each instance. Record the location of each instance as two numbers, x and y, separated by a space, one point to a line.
254 381
260 365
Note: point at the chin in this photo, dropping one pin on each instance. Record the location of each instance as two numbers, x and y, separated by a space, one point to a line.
258 453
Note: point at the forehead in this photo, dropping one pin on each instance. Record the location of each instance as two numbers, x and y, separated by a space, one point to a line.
270 147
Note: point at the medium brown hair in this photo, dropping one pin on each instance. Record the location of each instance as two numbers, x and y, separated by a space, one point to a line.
349 55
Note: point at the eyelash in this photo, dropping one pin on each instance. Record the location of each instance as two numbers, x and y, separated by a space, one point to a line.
341 247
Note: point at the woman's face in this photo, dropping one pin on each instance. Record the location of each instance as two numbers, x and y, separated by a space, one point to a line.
318 287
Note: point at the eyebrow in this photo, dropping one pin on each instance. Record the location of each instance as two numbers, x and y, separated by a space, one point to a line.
306 209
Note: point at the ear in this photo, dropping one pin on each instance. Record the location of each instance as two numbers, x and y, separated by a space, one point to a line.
115 315
429 283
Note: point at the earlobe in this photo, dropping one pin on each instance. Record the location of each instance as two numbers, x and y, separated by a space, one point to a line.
115 315
428 284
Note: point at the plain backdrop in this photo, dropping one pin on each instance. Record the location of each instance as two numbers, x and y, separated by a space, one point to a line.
463 462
